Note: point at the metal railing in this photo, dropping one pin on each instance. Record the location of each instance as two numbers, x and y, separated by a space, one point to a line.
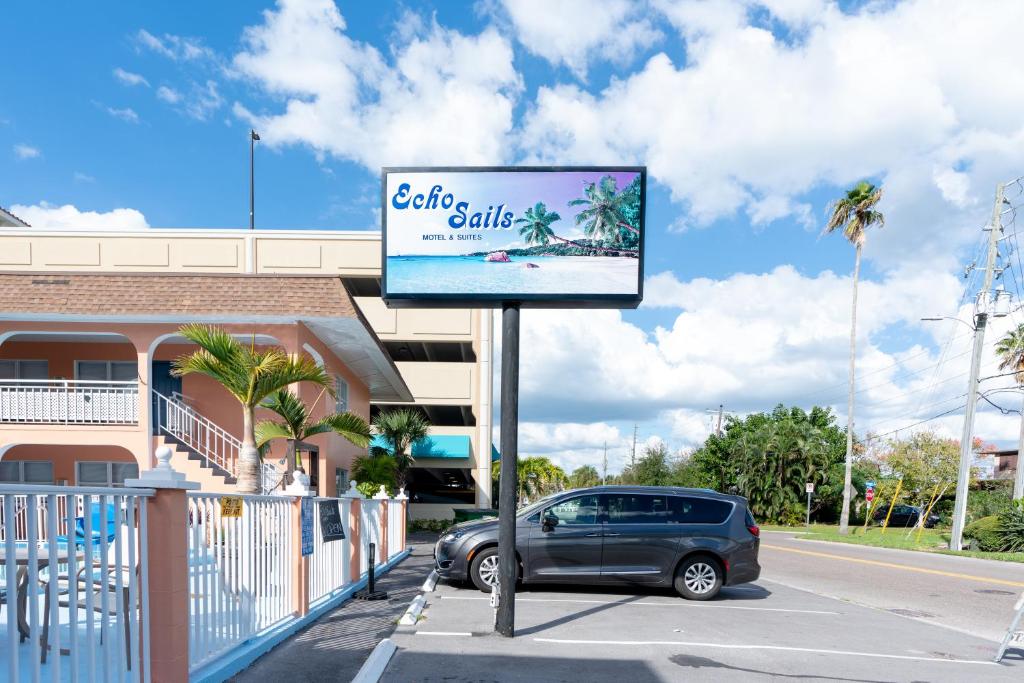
174 417
75 602
58 401
240 571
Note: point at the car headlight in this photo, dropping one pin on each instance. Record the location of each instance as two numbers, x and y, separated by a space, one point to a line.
452 537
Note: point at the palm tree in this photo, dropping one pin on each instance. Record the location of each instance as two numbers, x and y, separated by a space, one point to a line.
372 471
536 228
1010 350
853 214
604 213
250 375
297 425
401 429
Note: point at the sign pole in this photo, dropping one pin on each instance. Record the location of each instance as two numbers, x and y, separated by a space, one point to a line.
508 481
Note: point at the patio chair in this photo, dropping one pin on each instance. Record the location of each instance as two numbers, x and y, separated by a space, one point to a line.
102 585
95 510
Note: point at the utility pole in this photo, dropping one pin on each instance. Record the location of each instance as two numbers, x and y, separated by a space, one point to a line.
1018 477
632 457
253 138
604 472
981 307
720 410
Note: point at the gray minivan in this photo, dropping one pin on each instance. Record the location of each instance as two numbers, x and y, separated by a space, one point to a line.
695 540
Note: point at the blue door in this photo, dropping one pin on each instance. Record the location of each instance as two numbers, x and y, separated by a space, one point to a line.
164 383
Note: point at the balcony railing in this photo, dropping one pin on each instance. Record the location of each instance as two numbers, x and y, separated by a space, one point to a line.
27 401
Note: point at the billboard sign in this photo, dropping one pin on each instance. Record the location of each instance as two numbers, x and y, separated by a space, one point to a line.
565 237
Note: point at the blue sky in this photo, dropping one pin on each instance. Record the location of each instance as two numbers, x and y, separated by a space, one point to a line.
750 116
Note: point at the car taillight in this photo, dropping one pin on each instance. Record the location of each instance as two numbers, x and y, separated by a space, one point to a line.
754 530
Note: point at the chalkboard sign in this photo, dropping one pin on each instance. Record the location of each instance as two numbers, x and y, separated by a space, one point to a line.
330 521
307 526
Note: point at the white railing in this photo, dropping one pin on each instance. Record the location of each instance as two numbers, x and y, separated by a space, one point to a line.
396 528
176 418
270 477
74 602
240 571
330 568
369 525
27 401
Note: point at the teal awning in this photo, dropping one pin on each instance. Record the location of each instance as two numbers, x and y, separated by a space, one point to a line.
435 446
495 455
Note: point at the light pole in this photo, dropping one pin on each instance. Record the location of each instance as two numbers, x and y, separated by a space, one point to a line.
253 138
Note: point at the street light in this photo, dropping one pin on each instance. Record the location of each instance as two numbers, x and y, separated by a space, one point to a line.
253 139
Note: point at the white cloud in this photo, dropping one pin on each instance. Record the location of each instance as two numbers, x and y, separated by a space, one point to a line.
127 114
177 48
168 94
575 32
46 215
442 98
81 177
129 78
752 122
23 151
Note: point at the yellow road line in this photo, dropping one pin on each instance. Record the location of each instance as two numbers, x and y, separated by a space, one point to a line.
955 575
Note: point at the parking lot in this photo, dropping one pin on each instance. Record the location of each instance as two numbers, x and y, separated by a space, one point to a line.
757 630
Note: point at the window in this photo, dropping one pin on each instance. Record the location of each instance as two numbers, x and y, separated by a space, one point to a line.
341 398
700 510
94 473
629 508
340 480
575 511
24 369
106 370
26 472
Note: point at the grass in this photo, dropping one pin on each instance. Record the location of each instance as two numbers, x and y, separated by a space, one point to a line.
931 541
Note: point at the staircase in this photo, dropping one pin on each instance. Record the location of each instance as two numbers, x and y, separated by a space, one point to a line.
199 448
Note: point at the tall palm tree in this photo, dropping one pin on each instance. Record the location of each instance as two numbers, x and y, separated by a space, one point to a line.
1010 350
297 425
536 228
604 213
854 213
401 429
250 375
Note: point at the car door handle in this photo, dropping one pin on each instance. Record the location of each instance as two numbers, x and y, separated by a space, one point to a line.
596 533
611 533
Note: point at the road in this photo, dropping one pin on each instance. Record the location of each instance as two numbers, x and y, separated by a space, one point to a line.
963 593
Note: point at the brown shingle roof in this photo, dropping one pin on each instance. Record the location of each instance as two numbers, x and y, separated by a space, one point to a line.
199 295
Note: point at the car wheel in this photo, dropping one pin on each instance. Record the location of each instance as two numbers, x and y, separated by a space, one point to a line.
483 571
698 578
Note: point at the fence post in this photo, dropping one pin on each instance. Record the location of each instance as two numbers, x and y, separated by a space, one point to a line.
353 497
299 489
166 569
382 551
403 503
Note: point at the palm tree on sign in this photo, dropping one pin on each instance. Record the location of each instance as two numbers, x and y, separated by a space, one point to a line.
400 429
854 213
1010 350
250 375
297 425
604 213
536 228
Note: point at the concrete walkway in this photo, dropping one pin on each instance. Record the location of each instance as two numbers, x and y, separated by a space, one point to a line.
334 647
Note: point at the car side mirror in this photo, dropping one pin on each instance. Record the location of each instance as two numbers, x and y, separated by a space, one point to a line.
548 522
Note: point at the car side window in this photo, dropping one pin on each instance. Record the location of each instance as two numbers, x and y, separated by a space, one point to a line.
574 511
628 508
699 510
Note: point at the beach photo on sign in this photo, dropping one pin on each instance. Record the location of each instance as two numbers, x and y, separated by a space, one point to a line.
533 233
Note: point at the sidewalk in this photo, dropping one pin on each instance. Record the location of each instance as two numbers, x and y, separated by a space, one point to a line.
334 647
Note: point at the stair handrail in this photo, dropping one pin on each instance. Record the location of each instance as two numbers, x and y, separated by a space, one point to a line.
211 441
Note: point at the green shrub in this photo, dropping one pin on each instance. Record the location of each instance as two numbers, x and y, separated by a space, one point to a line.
985 532
434 526
988 502
1011 528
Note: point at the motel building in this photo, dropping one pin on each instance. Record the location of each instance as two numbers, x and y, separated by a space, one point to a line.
88 332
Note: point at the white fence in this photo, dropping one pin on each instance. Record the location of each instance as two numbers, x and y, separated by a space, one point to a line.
240 571
68 402
75 588
330 567
396 528
370 513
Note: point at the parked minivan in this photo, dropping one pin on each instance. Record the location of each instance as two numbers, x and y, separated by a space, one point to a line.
694 540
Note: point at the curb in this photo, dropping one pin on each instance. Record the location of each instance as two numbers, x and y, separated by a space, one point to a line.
413 612
373 667
431 582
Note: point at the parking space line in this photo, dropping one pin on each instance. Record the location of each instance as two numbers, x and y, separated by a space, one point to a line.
654 604
443 633
892 565
779 648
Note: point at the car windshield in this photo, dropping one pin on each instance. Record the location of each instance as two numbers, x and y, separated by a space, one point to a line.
536 505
